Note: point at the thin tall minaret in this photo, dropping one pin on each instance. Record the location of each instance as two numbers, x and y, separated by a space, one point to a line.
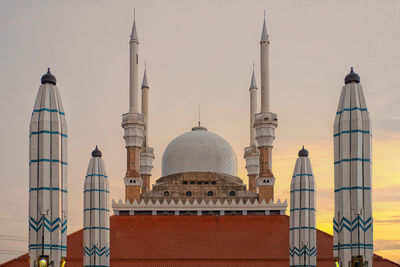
265 124
303 242
134 125
147 153
96 213
352 223
251 153
48 177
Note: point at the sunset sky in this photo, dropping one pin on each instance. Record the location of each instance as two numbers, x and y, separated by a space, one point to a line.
199 53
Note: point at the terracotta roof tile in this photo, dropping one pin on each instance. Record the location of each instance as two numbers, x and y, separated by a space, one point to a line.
199 241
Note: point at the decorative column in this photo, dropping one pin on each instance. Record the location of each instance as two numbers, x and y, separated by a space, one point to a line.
265 124
48 177
251 153
303 236
353 222
96 214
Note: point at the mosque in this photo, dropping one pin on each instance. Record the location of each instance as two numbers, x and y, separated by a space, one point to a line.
199 213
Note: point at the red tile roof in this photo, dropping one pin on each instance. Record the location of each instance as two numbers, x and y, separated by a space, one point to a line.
199 241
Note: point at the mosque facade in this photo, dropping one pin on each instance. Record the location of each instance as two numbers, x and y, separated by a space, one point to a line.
199 212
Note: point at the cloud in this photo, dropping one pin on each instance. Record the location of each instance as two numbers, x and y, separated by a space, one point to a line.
390 219
390 193
384 244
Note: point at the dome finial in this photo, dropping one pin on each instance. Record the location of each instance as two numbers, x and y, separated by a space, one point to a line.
96 153
303 152
48 78
352 77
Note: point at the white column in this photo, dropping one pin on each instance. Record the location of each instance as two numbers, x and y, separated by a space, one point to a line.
352 164
48 175
302 244
96 219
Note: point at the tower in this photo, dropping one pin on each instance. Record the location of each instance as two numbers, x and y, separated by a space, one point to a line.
265 124
352 223
251 153
96 213
134 124
146 153
48 177
303 242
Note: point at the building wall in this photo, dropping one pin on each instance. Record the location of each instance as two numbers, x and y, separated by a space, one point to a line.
199 184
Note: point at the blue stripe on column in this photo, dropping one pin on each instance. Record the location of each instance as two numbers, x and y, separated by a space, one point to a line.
96 190
303 227
351 131
95 174
88 209
294 190
351 109
48 132
302 209
352 188
350 246
49 110
352 159
302 174
47 160
96 227
48 188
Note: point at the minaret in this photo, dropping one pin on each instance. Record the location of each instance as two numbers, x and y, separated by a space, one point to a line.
265 124
352 223
147 153
96 213
134 125
251 153
303 242
48 177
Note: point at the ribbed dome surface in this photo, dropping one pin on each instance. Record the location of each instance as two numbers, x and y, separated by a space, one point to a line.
199 151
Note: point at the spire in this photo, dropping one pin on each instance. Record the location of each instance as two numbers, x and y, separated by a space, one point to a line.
264 34
253 84
134 36
199 117
144 83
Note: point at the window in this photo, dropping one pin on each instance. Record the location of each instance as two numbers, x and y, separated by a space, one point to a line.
210 193
199 182
191 182
188 194
232 194
184 182
166 194
206 182
213 182
137 59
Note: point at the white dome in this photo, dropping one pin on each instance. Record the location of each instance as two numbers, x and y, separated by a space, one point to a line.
199 151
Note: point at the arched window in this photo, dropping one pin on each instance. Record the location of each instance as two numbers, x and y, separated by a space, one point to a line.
166 194
232 194
210 193
188 194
